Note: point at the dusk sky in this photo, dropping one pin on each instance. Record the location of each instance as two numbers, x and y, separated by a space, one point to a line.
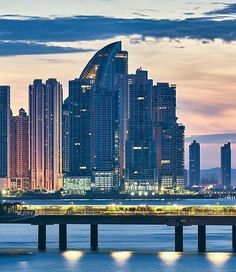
186 42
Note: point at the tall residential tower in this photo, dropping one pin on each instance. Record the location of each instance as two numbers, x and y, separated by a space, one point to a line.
4 136
226 165
45 111
169 136
98 113
141 166
19 172
194 164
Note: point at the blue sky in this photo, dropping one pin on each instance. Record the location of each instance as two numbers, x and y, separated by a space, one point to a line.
190 43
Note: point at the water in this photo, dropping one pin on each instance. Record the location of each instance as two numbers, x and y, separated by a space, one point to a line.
121 248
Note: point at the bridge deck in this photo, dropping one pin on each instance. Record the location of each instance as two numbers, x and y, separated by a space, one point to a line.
170 220
123 214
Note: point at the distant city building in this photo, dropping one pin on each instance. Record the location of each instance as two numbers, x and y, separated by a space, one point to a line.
141 165
194 164
226 165
19 157
4 136
98 108
169 136
45 111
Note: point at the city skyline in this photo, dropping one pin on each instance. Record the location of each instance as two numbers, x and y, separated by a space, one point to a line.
205 141
115 130
200 62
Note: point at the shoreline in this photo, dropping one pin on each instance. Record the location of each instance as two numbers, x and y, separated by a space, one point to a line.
109 197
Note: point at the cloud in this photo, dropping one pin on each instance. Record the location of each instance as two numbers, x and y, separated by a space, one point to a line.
89 28
147 10
228 9
189 13
213 138
140 14
27 48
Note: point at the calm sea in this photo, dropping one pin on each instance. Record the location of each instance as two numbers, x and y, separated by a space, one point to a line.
121 248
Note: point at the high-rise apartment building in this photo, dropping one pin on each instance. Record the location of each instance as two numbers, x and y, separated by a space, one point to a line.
98 105
226 165
4 136
19 157
141 167
194 164
45 111
169 136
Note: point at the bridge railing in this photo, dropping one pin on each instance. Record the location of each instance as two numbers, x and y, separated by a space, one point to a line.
136 210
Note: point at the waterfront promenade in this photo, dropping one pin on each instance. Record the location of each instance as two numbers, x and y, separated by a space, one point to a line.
95 215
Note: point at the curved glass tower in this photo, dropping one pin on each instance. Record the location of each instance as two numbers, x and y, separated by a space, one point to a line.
98 106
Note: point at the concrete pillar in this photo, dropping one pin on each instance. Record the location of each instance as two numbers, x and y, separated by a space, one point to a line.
42 237
201 238
234 237
179 238
94 236
62 236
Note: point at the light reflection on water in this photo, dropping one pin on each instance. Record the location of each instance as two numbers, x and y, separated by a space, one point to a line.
72 256
117 261
218 258
169 258
121 256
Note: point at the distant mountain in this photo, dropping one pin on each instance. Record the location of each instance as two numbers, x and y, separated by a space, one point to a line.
216 173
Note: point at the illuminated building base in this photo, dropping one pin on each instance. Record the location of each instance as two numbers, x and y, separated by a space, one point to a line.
76 184
104 180
19 183
141 187
171 182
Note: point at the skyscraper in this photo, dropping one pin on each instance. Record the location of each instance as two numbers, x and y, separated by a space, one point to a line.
169 136
226 165
45 105
98 114
81 127
19 172
194 163
4 135
141 166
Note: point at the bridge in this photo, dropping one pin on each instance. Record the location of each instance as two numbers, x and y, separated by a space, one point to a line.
95 215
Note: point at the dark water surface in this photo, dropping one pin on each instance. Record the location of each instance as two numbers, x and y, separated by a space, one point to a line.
121 248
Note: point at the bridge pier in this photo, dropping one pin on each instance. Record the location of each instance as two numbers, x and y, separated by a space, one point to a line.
179 238
234 237
94 236
42 237
62 236
201 238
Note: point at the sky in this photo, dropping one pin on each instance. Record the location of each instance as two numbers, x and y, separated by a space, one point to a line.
191 43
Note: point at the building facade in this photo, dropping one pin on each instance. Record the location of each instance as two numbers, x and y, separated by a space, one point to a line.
45 111
98 118
65 137
226 165
141 167
169 136
19 157
194 164
4 136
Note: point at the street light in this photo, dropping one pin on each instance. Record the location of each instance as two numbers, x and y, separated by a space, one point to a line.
4 192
